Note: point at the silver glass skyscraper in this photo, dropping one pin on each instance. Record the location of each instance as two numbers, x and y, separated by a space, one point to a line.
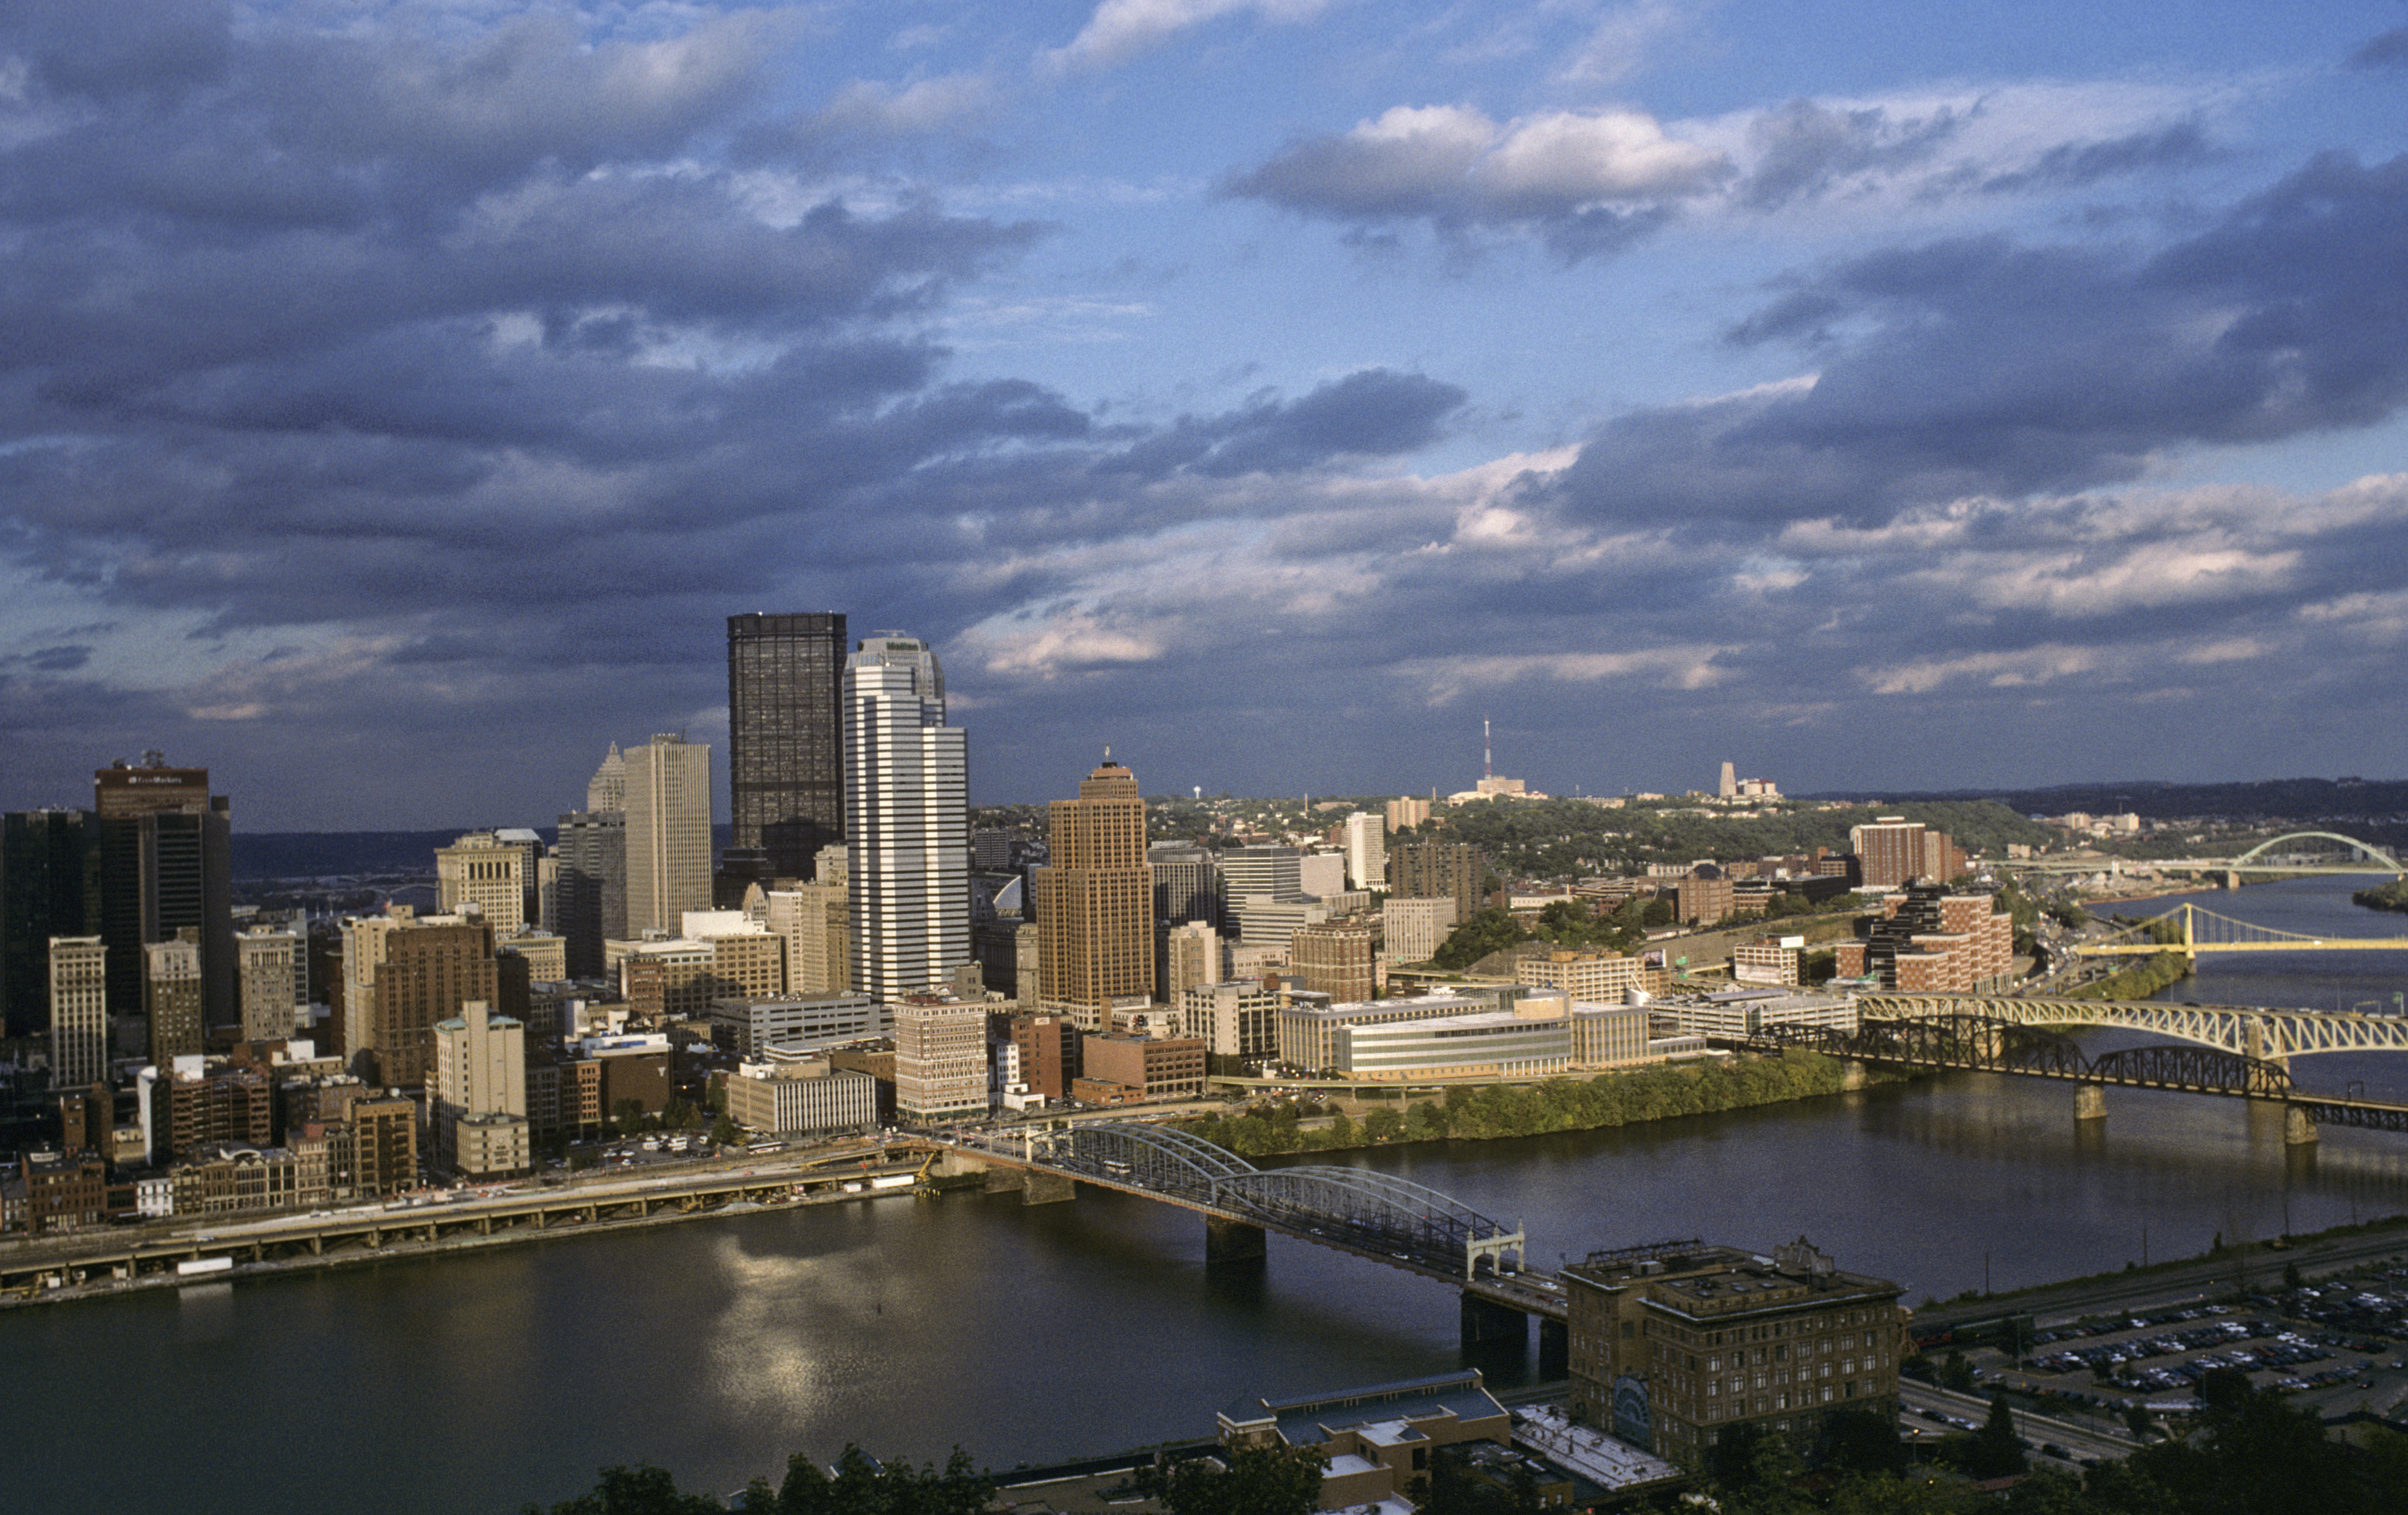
907 820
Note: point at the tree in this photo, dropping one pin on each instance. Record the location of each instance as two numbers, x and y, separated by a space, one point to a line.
632 1491
863 1487
1252 1481
1862 1441
725 1132
1997 1451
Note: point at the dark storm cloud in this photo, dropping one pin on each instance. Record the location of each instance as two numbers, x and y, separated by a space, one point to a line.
1374 412
1988 367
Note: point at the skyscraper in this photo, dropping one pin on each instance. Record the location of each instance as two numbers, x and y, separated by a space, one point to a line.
907 820
166 862
1366 850
1094 900
49 886
79 1012
668 832
593 891
785 738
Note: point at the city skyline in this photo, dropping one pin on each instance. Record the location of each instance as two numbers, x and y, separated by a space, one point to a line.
1271 389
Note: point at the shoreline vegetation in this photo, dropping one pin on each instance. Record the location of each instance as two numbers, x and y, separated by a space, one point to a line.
2392 897
1493 1111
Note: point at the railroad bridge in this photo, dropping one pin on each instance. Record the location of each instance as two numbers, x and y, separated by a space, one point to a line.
1368 1214
1966 1036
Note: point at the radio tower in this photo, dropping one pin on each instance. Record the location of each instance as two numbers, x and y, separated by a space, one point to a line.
1487 769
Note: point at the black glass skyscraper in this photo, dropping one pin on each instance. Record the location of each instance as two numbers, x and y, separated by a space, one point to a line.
785 739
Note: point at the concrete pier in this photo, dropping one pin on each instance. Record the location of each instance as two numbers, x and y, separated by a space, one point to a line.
2090 1101
2298 1128
1233 1241
1046 1188
1487 1321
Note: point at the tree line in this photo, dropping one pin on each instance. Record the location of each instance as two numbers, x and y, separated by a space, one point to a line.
1498 1110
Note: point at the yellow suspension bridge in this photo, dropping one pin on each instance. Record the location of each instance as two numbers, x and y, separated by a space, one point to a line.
2204 930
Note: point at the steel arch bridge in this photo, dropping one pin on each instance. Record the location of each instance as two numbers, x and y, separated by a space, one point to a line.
2204 930
2271 1035
1358 1210
2364 850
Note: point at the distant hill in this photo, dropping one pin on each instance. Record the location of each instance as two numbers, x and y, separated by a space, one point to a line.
2279 800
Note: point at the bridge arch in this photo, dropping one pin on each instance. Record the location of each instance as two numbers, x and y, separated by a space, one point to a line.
2365 849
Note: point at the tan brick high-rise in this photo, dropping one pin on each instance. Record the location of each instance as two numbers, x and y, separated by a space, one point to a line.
1094 900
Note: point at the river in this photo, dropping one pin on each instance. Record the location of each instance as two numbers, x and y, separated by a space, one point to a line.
474 1382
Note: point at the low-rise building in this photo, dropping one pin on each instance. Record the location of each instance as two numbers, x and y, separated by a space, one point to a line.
227 1179
1236 1019
786 1095
1119 1068
1378 1439
1740 1013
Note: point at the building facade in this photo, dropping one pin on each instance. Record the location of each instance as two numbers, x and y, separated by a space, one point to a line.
478 1097
906 822
1337 958
785 738
482 872
1672 1345
1439 870
269 968
668 832
940 1060
78 1017
1095 896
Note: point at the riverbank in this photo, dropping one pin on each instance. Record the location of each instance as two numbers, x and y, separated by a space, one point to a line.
1488 1112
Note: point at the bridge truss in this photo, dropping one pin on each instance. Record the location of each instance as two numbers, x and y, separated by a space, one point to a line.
1354 1209
2268 1035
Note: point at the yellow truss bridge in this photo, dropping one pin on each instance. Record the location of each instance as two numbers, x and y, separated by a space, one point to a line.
2204 930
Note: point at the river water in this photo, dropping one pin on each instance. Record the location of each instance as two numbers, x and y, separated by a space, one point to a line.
718 1347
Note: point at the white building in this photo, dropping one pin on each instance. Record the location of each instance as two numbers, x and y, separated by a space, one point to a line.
906 822
795 1023
477 1095
794 1096
79 1012
1366 850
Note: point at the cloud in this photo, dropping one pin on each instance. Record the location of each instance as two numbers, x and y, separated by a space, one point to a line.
1371 414
1579 178
1120 30
2386 50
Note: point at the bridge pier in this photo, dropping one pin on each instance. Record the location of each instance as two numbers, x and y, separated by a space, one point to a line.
1485 1320
1555 1348
2090 1101
1046 1188
1853 1075
2298 1128
1232 1241
1006 1181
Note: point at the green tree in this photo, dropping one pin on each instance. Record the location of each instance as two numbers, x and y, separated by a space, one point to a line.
725 1132
1997 1451
1257 1481
863 1487
631 1491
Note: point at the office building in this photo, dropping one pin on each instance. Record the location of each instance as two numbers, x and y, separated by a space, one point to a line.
606 792
482 872
1366 851
1743 1012
1186 884
592 886
1672 1345
430 970
906 822
815 922
1336 958
172 997
939 1058
1590 977
785 738
269 966
477 1098
796 1096
49 886
166 863
1236 1018
1405 814
1118 1068
1048 1048
1192 955
1260 873
78 1011
1095 898
1413 930
668 832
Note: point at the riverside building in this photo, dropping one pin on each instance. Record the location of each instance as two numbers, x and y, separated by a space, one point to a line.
1672 1345
907 823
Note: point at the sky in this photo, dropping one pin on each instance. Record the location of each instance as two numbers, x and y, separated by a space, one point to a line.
397 399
